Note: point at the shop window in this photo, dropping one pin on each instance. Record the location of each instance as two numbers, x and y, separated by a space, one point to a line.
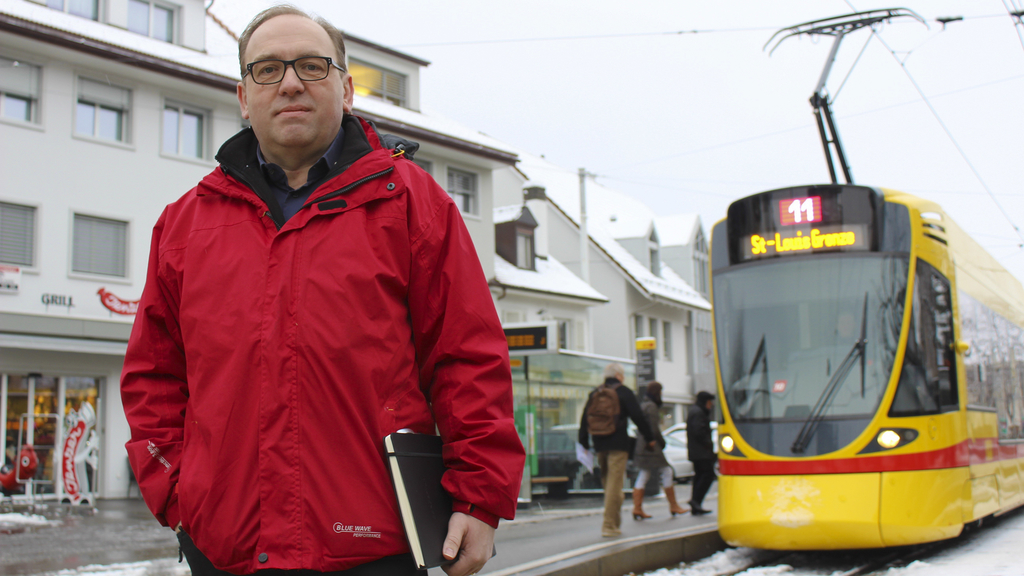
184 131
19 90
85 8
102 110
151 19
927 382
17 234
100 246
376 82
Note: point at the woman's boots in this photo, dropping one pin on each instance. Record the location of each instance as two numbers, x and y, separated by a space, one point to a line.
670 495
638 500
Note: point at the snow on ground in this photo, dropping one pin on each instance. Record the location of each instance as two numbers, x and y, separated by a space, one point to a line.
992 551
724 562
164 567
12 520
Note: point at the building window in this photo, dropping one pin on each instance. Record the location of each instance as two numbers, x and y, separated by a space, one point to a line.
666 341
638 326
19 90
653 327
700 264
184 132
377 82
85 8
462 187
565 334
524 249
427 165
100 246
17 234
151 19
102 110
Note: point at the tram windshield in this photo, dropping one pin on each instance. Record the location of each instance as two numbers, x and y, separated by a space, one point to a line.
790 344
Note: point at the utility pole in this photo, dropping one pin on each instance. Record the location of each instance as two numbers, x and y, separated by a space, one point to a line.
584 236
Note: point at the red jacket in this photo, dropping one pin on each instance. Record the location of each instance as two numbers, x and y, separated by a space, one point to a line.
266 365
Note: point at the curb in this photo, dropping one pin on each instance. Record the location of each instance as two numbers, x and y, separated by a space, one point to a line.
618 557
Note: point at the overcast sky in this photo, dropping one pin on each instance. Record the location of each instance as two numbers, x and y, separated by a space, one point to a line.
689 121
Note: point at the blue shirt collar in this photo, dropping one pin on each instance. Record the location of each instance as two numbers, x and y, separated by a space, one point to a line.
275 174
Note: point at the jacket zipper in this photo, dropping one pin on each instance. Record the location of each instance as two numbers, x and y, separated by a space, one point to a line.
350 186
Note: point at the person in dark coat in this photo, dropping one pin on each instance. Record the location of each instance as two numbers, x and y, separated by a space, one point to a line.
651 460
613 449
701 449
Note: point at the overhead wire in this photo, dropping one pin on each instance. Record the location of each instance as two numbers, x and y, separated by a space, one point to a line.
1015 15
945 128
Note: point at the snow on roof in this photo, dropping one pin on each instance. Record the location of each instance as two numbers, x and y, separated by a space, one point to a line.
221 58
215 62
677 230
550 277
504 214
632 220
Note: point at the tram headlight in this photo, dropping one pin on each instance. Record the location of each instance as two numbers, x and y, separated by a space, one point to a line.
889 439
727 444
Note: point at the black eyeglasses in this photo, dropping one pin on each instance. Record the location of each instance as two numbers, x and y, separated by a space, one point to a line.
308 69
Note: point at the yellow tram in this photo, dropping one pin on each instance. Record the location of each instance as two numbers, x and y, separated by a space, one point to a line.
870 364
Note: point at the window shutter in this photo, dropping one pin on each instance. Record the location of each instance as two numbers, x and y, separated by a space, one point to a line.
17 234
19 78
100 246
104 94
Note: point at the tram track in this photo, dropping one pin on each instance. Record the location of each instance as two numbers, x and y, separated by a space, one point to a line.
842 563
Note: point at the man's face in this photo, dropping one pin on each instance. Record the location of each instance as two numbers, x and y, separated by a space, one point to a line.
294 117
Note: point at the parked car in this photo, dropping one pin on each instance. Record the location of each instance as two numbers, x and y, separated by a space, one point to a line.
678 431
676 454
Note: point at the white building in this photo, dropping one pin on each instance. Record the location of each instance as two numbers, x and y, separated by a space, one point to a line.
109 111
625 262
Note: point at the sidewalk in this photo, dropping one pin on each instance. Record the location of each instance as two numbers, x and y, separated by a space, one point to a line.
52 537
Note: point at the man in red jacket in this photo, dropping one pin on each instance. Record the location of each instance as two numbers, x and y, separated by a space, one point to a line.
313 294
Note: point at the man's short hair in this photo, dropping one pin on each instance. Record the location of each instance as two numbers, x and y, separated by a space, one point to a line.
280 10
615 370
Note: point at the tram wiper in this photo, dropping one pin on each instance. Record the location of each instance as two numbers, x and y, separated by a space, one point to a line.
825 400
760 357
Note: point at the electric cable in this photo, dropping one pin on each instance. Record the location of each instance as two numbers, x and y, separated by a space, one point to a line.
850 71
952 139
1015 15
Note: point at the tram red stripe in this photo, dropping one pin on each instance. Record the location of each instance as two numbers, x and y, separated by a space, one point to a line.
958 455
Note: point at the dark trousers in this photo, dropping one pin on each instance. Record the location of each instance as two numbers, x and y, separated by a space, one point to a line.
703 476
401 565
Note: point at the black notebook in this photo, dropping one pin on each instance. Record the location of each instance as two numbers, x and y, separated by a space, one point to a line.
416 469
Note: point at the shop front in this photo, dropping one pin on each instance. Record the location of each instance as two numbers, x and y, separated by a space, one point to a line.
550 392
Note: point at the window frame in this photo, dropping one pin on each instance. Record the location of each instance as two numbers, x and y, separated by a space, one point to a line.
66 8
472 196
183 108
99 104
666 343
33 99
151 14
383 94
34 235
127 256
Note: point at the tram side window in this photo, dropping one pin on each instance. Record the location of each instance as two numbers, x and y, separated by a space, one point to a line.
927 382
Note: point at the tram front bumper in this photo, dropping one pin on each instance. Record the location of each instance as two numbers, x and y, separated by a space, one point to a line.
809 512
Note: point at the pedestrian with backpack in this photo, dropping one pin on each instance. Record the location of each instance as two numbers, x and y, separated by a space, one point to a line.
604 420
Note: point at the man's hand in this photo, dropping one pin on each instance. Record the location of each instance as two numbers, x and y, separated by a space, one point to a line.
471 540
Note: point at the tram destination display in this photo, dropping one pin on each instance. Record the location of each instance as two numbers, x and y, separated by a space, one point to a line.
803 220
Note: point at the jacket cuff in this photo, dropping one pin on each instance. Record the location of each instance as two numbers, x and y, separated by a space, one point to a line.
476 512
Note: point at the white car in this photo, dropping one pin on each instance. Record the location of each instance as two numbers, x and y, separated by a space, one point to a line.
675 453
678 432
